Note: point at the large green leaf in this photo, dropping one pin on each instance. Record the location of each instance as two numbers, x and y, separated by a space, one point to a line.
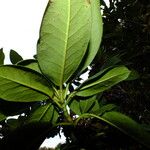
128 126
2 57
43 114
20 84
14 57
64 37
108 80
96 32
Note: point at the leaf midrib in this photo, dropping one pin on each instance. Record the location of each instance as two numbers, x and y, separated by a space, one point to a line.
66 43
25 85
103 80
44 112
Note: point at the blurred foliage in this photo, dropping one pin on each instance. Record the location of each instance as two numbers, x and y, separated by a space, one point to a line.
126 40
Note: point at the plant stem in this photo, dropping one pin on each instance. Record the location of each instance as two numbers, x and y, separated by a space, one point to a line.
66 114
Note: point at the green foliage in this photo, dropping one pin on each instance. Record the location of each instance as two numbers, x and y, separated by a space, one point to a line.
70 36
43 114
128 126
21 84
64 38
2 57
30 63
15 57
96 33
2 117
84 106
103 83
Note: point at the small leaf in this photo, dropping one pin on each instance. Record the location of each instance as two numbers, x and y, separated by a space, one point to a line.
89 105
75 107
105 82
96 32
2 116
64 37
113 60
13 123
15 57
20 84
55 116
107 108
127 126
43 114
2 57
30 63
133 75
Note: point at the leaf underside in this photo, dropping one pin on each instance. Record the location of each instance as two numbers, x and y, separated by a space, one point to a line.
20 84
64 37
96 33
43 114
109 79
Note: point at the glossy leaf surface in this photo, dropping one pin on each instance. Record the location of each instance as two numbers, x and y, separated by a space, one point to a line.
64 37
20 84
105 82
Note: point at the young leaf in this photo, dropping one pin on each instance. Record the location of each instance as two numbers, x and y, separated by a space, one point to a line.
20 84
14 57
96 32
108 80
2 57
128 126
64 37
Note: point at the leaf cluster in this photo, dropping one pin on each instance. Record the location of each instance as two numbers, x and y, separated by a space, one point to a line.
39 89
